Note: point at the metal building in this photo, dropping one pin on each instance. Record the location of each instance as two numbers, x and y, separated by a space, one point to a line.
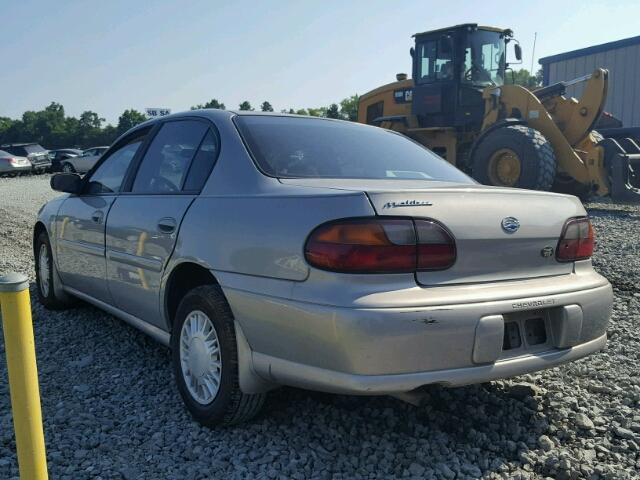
621 58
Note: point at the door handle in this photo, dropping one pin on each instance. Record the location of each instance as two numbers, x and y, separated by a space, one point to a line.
167 225
97 216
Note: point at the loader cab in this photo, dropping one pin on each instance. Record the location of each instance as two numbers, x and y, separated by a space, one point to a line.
451 68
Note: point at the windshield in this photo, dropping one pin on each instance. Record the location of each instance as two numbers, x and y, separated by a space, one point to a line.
291 147
484 58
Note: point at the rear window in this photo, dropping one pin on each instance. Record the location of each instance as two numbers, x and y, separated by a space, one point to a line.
35 148
290 147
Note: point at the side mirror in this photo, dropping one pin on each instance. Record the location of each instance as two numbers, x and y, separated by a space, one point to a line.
518 50
66 182
412 52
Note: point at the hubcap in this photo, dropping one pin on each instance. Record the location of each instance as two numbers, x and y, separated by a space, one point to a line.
504 167
43 268
200 358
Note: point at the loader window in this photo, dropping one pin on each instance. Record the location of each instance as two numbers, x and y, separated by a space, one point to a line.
484 59
436 62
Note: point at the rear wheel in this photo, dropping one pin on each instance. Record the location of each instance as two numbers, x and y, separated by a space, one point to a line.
205 360
515 156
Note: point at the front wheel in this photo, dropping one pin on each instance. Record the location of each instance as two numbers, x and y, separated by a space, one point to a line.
205 360
45 274
68 168
515 156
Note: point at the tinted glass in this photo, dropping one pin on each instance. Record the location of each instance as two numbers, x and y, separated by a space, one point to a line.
20 151
436 62
168 157
202 163
109 175
314 148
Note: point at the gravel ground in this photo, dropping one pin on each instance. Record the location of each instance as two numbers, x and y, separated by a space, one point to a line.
111 409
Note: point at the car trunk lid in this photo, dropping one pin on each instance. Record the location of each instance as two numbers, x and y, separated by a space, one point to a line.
500 234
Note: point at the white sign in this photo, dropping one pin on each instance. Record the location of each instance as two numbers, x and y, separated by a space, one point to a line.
157 112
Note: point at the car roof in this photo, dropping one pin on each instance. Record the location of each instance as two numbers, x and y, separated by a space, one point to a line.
20 144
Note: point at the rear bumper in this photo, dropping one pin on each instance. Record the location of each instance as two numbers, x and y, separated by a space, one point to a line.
7 168
305 376
391 350
41 165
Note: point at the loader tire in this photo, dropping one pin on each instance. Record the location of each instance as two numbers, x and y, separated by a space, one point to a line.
515 156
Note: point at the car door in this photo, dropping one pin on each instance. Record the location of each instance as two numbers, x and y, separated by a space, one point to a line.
81 220
84 162
143 223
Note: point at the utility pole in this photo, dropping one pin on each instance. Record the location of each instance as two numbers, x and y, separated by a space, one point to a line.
533 53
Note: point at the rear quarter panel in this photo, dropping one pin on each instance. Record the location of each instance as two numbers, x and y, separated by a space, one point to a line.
260 236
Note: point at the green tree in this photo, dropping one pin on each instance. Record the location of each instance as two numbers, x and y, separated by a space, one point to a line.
213 103
246 106
523 78
129 119
333 111
266 107
349 108
301 111
317 112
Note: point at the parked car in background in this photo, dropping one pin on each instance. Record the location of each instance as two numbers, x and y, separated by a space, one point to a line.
38 155
11 165
58 155
84 162
273 250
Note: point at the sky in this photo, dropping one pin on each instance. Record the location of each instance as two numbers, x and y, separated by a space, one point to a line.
108 56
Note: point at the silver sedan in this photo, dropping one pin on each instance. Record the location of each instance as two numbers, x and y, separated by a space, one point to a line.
12 165
271 250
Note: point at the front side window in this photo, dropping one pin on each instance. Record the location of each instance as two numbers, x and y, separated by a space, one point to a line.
109 175
435 60
288 147
166 162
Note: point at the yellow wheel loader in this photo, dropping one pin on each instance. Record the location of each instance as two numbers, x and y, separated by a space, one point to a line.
458 105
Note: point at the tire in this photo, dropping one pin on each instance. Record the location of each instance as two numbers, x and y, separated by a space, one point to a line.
67 168
532 152
45 273
227 405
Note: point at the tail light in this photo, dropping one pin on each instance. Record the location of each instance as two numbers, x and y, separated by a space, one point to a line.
576 241
14 161
372 245
436 247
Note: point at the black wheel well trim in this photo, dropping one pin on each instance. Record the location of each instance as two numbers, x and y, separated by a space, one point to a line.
182 278
38 228
506 122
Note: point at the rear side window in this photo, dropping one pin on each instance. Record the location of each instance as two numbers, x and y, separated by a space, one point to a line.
19 151
290 147
166 163
202 163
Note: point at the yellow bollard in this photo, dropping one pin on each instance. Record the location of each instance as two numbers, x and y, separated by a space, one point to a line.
23 376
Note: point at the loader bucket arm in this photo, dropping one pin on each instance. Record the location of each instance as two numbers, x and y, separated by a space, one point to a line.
576 118
585 165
